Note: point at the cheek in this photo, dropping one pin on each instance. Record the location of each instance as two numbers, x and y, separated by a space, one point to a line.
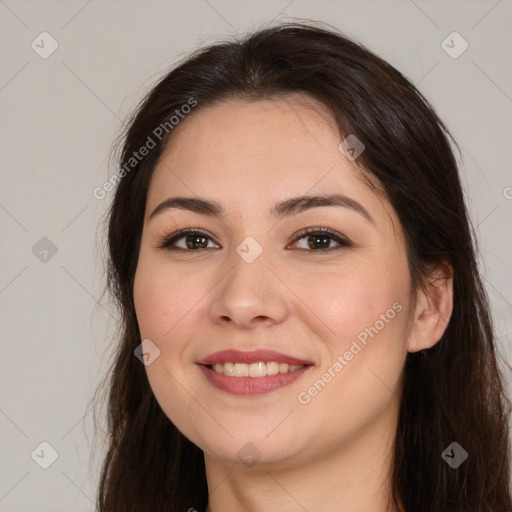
151 303
364 347
162 297
161 305
348 301
364 351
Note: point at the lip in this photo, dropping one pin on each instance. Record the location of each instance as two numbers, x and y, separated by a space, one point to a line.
236 356
251 385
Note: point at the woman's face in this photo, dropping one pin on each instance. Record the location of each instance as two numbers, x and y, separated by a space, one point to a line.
255 282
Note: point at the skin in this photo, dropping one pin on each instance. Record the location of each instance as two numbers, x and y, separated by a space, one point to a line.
333 453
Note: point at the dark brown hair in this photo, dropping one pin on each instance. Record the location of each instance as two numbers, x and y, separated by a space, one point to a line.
454 393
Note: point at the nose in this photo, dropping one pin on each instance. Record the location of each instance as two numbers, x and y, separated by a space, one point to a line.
250 295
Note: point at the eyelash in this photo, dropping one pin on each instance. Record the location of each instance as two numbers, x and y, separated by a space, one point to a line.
168 242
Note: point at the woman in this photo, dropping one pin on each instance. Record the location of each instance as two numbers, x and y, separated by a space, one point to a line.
304 325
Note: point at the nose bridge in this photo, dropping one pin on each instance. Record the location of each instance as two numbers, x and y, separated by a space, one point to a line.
249 276
250 289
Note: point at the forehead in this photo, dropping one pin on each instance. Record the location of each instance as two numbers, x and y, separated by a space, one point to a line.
249 154
287 128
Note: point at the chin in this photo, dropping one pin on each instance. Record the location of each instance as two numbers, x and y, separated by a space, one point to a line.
254 449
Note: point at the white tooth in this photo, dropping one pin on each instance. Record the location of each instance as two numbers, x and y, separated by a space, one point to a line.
229 369
272 368
283 367
241 370
258 369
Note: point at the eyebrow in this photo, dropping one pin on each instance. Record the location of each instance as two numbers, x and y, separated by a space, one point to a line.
279 211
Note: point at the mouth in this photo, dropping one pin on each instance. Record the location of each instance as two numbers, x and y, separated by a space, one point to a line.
252 373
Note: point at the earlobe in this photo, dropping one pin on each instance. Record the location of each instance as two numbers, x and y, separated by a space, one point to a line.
433 308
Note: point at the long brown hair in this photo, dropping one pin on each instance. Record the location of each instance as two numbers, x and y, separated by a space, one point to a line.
453 393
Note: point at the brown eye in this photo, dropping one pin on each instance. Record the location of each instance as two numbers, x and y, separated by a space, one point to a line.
319 239
193 240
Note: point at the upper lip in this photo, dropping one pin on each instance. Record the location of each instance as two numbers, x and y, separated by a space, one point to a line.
235 356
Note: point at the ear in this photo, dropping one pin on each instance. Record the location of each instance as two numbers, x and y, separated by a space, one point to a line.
434 308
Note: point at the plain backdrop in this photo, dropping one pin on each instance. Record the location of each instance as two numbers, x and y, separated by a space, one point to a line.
59 115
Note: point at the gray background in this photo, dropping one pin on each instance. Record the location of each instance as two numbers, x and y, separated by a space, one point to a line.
59 117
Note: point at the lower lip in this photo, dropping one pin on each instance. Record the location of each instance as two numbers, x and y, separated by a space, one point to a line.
251 385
